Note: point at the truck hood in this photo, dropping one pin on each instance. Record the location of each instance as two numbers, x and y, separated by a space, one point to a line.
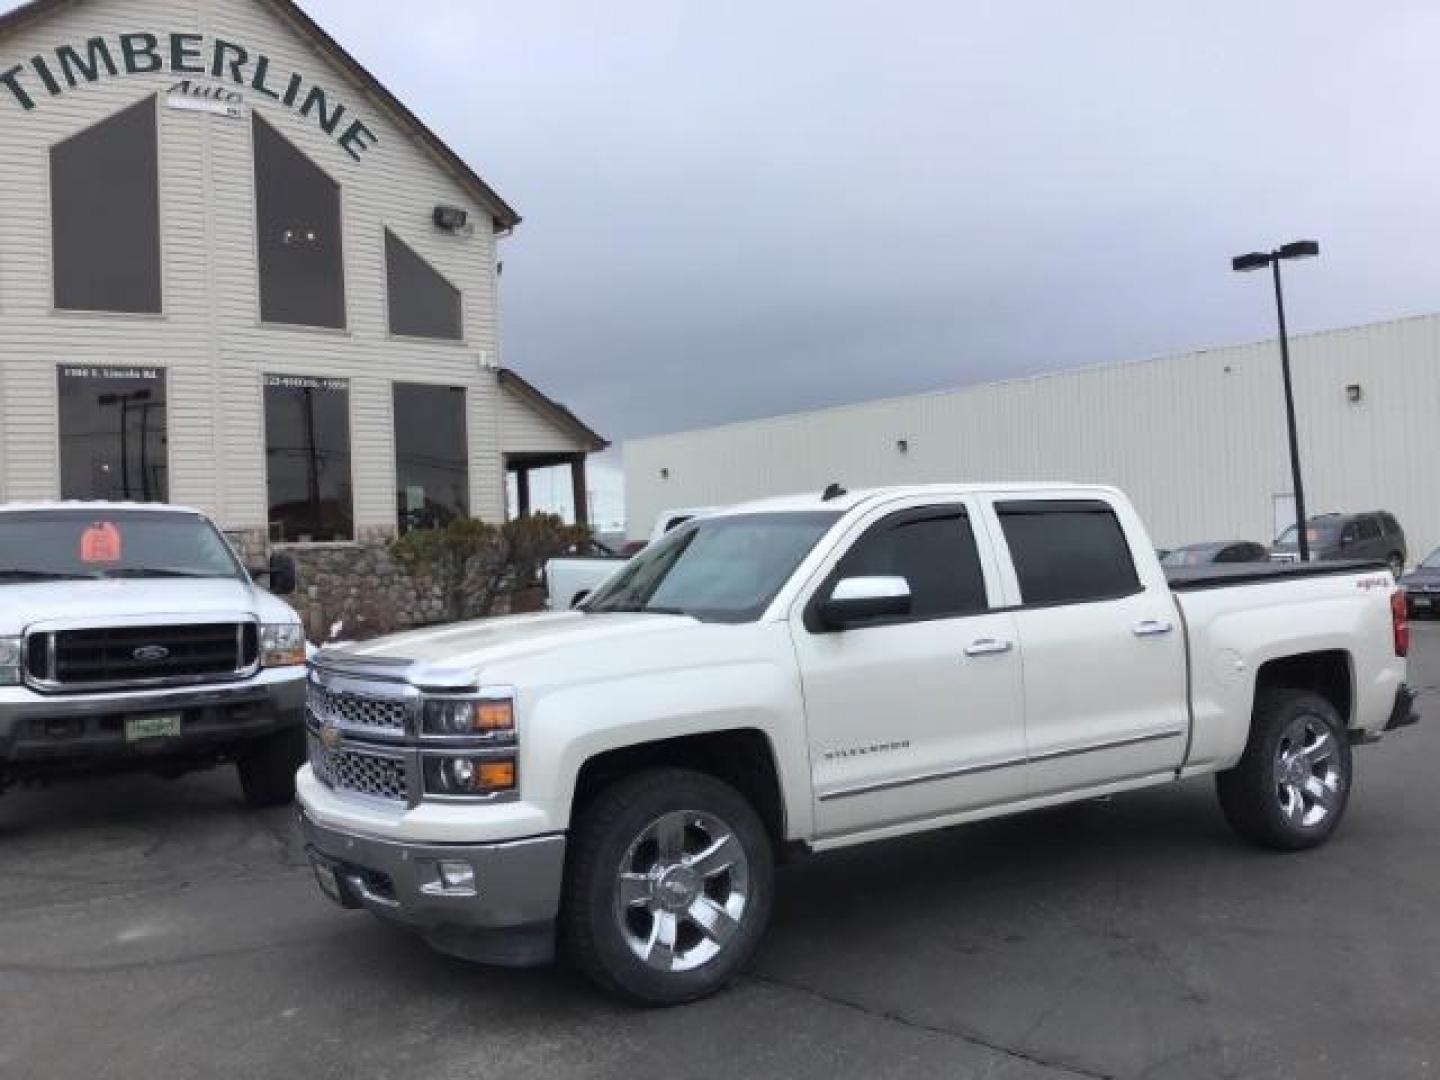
462 650
97 602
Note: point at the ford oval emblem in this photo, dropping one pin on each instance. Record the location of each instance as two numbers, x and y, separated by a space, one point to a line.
151 652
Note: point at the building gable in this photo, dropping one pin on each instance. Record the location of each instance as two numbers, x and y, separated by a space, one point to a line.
217 71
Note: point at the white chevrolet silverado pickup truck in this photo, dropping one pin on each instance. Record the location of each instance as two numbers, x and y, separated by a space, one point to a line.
131 638
813 672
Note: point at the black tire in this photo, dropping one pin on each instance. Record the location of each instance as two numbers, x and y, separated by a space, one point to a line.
267 767
601 934
1259 794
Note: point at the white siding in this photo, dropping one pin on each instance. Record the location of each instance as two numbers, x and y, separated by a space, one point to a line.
523 430
209 338
1197 440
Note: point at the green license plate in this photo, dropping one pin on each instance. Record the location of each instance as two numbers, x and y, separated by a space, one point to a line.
153 726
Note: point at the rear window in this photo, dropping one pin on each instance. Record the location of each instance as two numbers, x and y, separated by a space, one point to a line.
1067 552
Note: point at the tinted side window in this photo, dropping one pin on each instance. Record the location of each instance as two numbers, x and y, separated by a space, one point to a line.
422 302
1369 528
297 226
1391 525
1065 552
105 215
933 550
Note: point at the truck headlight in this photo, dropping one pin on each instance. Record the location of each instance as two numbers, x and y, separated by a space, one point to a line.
11 650
282 644
468 776
488 719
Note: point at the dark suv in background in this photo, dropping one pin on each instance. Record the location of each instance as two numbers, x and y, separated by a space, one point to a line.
1374 534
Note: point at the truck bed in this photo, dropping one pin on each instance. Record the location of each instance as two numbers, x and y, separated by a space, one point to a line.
1218 576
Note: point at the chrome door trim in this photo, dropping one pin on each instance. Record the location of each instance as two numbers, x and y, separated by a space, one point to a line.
993 766
920 778
1109 744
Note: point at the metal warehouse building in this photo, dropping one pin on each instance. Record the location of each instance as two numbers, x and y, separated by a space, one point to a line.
1197 440
237 273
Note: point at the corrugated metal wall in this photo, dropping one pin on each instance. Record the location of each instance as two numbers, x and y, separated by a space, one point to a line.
1197 440
209 338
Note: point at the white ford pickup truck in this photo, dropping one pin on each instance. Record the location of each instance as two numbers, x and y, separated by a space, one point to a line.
131 638
813 672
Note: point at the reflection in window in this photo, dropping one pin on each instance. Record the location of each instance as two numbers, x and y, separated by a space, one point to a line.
307 457
432 460
112 434
297 225
422 302
105 215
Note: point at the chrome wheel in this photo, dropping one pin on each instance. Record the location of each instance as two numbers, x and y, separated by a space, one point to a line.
1308 778
681 891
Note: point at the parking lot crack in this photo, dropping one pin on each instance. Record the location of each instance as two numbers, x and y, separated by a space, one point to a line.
967 1037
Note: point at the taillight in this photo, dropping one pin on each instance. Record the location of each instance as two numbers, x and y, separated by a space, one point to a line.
1401 622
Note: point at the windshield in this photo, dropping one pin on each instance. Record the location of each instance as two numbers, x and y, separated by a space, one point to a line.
1432 561
724 569
1320 532
66 545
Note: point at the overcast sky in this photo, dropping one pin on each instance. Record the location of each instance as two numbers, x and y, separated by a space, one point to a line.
740 209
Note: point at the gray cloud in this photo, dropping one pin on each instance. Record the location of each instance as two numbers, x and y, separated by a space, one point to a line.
746 208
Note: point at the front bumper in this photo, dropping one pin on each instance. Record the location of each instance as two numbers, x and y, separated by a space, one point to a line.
506 916
47 732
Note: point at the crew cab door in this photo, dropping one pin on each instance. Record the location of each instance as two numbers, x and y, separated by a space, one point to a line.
915 715
1105 683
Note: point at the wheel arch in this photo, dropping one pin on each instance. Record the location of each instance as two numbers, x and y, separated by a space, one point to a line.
743 757
1326 672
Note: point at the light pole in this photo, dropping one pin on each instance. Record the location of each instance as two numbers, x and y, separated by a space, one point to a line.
1298 249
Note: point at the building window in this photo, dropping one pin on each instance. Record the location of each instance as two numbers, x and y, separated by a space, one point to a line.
307 457
432 458
422 303
297 225
105 215
112 434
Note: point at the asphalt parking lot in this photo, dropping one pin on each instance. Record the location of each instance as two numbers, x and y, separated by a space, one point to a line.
158 929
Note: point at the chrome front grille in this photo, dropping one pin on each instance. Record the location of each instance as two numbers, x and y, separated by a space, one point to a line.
347 768
356 710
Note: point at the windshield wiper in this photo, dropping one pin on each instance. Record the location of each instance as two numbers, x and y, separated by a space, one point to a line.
157 572
42 575
637 609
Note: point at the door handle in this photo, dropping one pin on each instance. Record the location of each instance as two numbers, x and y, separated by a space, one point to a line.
988 647
1152 627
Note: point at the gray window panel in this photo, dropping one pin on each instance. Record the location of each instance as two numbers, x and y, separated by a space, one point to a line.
298 235
432 457
307 457
1067 554
422 302
934 550
105 215
113 434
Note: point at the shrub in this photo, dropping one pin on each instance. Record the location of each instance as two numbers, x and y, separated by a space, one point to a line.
474 564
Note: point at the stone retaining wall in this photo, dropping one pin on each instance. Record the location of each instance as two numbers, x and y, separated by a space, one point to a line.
360 586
